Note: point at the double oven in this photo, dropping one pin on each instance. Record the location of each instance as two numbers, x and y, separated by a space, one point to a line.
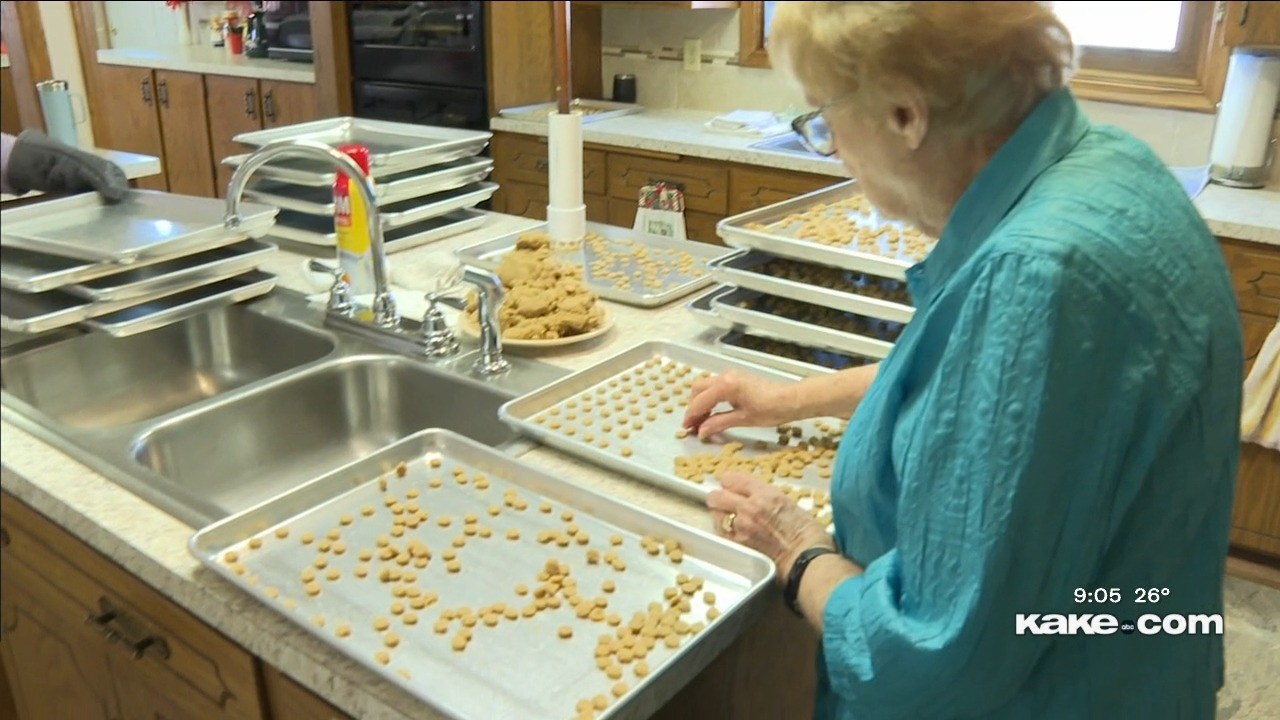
420 62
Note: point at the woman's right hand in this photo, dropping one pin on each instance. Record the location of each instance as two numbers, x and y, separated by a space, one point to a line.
755 402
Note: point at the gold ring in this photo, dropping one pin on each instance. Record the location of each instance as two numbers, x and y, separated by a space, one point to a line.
726 524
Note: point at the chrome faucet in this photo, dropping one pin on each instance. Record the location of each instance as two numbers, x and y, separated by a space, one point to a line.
384 305
490 292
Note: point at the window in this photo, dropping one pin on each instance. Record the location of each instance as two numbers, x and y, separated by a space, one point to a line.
1162 53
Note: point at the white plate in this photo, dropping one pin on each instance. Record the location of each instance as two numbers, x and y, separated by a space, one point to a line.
469 326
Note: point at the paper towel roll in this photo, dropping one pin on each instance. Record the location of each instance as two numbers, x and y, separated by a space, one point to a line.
1243 129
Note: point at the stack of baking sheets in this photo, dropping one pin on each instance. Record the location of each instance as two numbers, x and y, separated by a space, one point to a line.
817 283
591 110
151 259
428 180
620 264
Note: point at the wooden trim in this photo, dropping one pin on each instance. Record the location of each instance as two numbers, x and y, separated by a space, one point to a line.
28 58
332 43
752 51
1190 78
85 16
1253 569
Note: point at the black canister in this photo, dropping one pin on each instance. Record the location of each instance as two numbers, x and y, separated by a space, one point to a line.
624 88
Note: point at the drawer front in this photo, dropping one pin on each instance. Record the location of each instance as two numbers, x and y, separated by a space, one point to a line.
524 159
1255 275
698 226
1256 329
705 185
750 188
188 665
523 199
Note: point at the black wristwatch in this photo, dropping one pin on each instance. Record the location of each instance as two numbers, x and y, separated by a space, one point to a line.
791 592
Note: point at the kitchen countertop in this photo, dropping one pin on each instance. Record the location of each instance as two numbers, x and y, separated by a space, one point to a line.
153 545
1252 215
211 61
150 543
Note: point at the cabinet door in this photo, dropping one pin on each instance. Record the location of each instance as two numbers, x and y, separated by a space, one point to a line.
162 661
188 161
698 226
130 119
1255 517
705 184
524 158
523 199
56 662
287 700
287 103
234 108
751 188
1252 23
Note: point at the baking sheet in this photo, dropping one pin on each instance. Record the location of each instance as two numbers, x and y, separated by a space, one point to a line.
701 309
783 355
144 225
33 272
181 305
491 677
656 444
621 250
592 110
314 230
208 266
730 307
315 195
771 229
393 146
747 269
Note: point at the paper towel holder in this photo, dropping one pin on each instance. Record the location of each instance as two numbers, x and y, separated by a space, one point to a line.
1243 152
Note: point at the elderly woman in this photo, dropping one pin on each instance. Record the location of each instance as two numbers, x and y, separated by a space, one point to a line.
1054 433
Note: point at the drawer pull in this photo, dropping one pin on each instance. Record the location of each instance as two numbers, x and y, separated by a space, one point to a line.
541 165
115 627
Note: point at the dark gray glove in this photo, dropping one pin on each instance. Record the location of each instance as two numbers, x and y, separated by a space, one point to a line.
38 162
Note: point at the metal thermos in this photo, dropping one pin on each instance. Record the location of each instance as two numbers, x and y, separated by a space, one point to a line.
60 118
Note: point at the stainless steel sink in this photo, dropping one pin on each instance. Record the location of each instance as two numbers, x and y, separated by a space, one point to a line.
213 415
789 144
96 380
258 444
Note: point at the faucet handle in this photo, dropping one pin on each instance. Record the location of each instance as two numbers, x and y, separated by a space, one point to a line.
437 340
339 292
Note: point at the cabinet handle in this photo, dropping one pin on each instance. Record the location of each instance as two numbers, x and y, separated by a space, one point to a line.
162 92
146 91
1244 13
250 107
269 105
541 165
4 537
101 621
113 626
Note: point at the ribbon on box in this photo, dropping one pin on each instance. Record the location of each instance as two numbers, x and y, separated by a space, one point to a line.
661 211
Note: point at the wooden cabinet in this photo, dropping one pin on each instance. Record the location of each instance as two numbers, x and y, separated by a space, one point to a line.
705 184
241 105
1255 24
525 159
287 700
82 638
697 225
130 120
1255 275
234 108
287 103
10 122
751 188
188 162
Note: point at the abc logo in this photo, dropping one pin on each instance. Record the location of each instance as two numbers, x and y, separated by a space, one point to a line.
1127 627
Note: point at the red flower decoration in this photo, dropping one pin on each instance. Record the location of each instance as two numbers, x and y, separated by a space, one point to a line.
175 4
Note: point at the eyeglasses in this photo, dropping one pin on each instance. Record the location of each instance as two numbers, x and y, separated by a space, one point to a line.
815 133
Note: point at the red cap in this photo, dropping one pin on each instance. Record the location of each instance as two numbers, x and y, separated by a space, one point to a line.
359 153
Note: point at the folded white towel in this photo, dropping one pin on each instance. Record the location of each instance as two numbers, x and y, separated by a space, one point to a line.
1260 417
749 123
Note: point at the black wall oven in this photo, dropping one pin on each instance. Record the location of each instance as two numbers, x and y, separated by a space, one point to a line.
420 62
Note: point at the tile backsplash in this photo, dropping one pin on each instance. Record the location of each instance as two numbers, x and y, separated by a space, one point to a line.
648 42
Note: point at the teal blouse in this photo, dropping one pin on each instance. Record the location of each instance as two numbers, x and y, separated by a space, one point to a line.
1062 413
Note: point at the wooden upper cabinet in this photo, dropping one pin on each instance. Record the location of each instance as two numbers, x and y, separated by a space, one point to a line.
234 108
287 103
1255 24
188 161
129 120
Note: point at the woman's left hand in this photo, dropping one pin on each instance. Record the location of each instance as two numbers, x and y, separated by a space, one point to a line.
763 518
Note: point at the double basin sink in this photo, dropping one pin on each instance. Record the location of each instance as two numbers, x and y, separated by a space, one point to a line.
217 413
